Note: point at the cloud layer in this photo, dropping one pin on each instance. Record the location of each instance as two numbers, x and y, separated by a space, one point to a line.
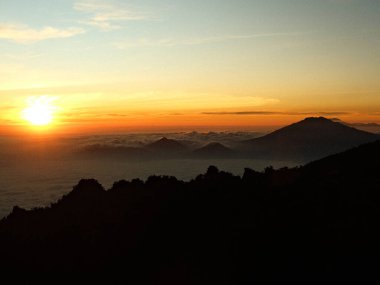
171 42
106 16
24 34
271 113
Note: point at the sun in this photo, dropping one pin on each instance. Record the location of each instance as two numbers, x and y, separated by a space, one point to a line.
39 111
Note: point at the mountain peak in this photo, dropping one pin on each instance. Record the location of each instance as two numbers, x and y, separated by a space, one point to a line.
213 149
311 138
317 119
214 145
166 144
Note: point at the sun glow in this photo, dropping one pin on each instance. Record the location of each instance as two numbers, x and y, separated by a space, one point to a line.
40 110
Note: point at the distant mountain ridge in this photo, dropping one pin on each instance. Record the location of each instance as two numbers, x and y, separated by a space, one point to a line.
304 141
165 144
306 223
309 139
368 127
213 150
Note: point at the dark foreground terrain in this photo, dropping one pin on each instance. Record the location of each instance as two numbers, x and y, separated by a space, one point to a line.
315 224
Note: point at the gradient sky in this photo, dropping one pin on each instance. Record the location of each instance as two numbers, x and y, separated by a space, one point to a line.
153 64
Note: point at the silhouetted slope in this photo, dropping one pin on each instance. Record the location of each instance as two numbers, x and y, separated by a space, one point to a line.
213 150
165 147
309 139
359 165
166 144
368 127
313 224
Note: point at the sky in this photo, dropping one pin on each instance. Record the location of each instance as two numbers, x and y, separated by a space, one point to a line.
148 64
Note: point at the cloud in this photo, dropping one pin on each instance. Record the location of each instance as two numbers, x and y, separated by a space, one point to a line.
107 16
332 113
24 34
169 42
271 113
242 113
117 115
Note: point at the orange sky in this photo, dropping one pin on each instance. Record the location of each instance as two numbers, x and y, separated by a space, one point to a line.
168 65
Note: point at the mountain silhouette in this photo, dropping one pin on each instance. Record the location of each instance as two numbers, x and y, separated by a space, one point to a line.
166 145
317 222
309 139
213 150
368 127
358 161
165 148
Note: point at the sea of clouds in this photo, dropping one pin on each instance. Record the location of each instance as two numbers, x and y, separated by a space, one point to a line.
36 171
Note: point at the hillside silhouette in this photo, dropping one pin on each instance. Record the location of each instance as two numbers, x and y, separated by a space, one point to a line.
368 127
311 224
309 139
165 144
304 141
213 150
166 148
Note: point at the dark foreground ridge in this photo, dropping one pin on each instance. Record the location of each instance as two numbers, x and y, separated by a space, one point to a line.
314 224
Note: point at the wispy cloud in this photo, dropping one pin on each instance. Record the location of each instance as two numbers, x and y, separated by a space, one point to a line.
170 42
271 113
107 16
24 34
117 115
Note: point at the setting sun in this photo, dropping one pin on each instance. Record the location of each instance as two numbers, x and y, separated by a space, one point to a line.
40 111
